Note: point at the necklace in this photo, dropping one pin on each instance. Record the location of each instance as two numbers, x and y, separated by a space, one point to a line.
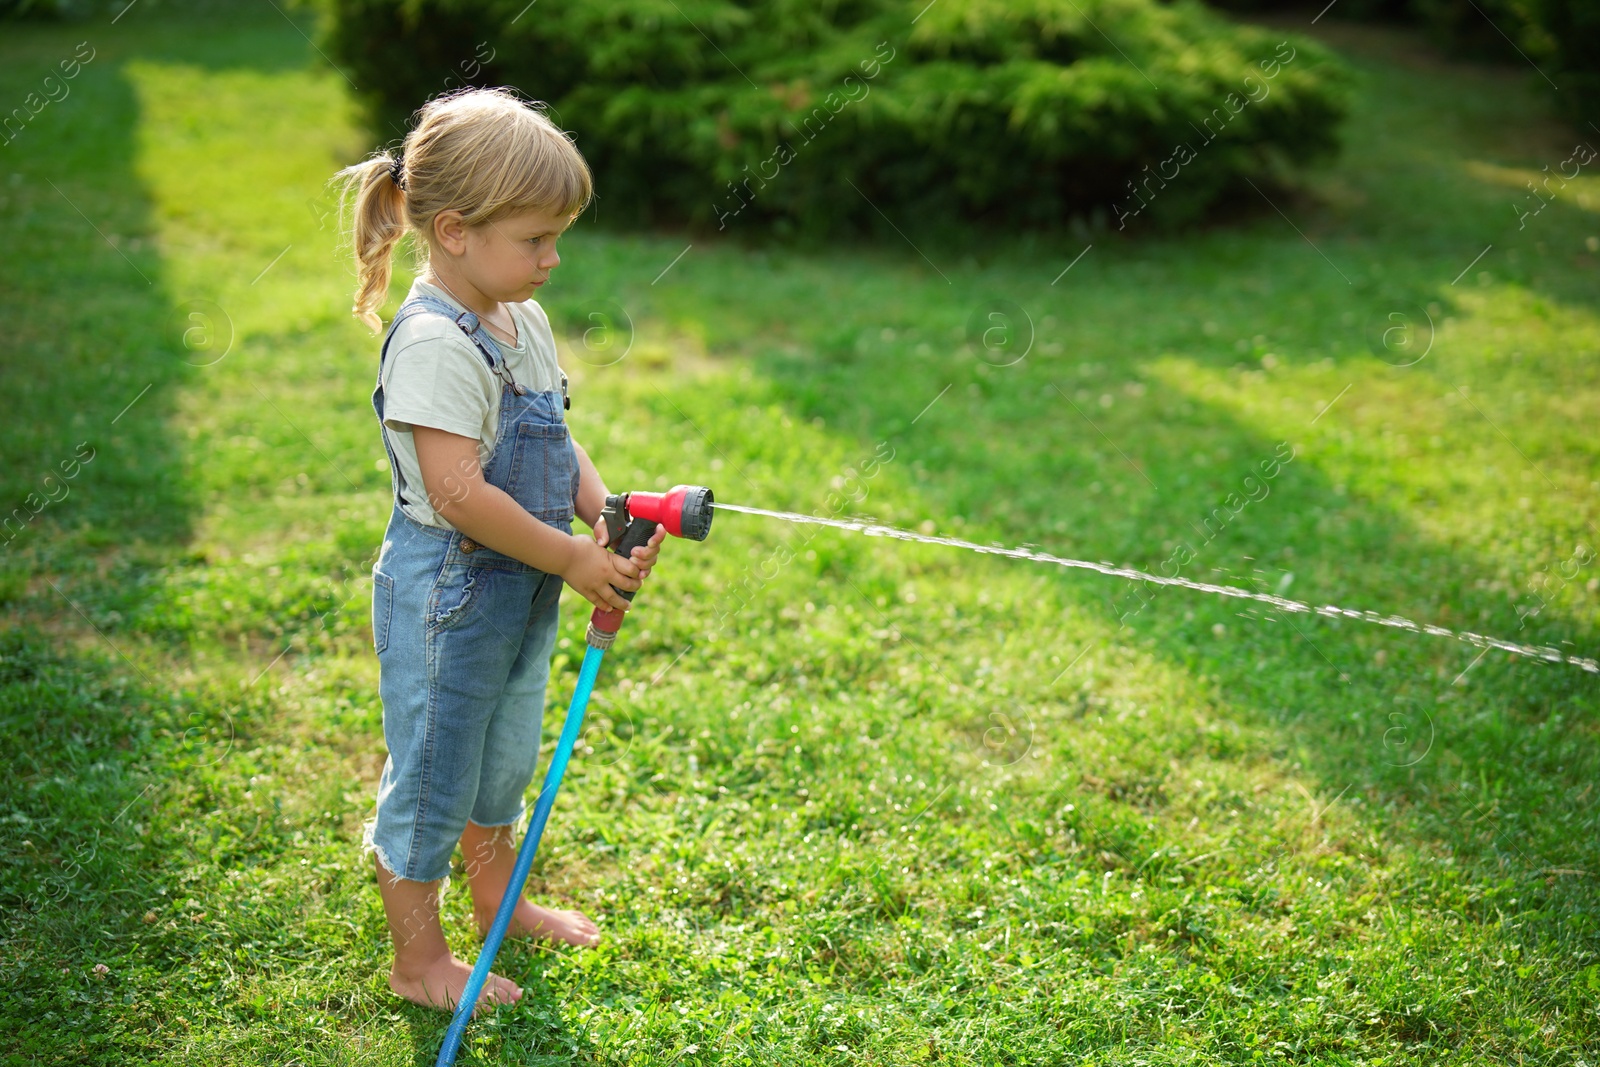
497 365
512 329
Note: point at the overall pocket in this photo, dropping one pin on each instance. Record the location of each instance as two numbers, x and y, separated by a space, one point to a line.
382 610
543 475
455 594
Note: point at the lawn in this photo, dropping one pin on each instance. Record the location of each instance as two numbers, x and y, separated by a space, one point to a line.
841 799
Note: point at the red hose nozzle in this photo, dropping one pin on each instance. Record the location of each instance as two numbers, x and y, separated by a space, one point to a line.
684 510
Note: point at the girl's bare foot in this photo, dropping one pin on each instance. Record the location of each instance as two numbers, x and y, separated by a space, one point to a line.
425 971
439 985
491 857
529 920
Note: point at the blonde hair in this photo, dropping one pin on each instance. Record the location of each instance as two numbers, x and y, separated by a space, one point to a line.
483 152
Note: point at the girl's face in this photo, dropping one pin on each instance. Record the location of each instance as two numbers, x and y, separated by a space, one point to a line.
509 259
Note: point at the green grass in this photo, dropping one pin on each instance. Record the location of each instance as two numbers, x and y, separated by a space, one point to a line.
883 803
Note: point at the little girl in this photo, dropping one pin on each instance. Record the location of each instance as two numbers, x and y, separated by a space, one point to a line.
486 480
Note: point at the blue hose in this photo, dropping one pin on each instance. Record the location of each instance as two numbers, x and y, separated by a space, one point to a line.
530 844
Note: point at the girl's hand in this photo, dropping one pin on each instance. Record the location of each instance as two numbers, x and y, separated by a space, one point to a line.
592 571
643 556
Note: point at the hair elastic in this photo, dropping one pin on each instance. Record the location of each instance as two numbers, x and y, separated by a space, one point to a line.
396 170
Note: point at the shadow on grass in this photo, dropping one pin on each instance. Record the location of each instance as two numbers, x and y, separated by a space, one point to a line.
93 889
98 350
83 265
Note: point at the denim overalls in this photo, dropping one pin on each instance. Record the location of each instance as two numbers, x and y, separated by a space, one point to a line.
464 635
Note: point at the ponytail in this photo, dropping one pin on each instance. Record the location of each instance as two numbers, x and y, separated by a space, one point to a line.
375 224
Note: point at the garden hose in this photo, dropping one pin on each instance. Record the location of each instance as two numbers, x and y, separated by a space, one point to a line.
685 511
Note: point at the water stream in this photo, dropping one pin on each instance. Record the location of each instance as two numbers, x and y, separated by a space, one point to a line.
1541 652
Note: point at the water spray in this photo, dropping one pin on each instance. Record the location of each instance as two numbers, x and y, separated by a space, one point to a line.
631 518
871 529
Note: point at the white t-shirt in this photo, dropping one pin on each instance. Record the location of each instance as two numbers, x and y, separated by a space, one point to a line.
435 376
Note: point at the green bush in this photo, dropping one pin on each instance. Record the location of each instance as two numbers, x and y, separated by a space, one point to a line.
721 114
1356 10
43 10
87 10
1572 30
1561 38
1478 29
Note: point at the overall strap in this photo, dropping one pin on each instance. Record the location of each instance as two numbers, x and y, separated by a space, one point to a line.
470 326
466 320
